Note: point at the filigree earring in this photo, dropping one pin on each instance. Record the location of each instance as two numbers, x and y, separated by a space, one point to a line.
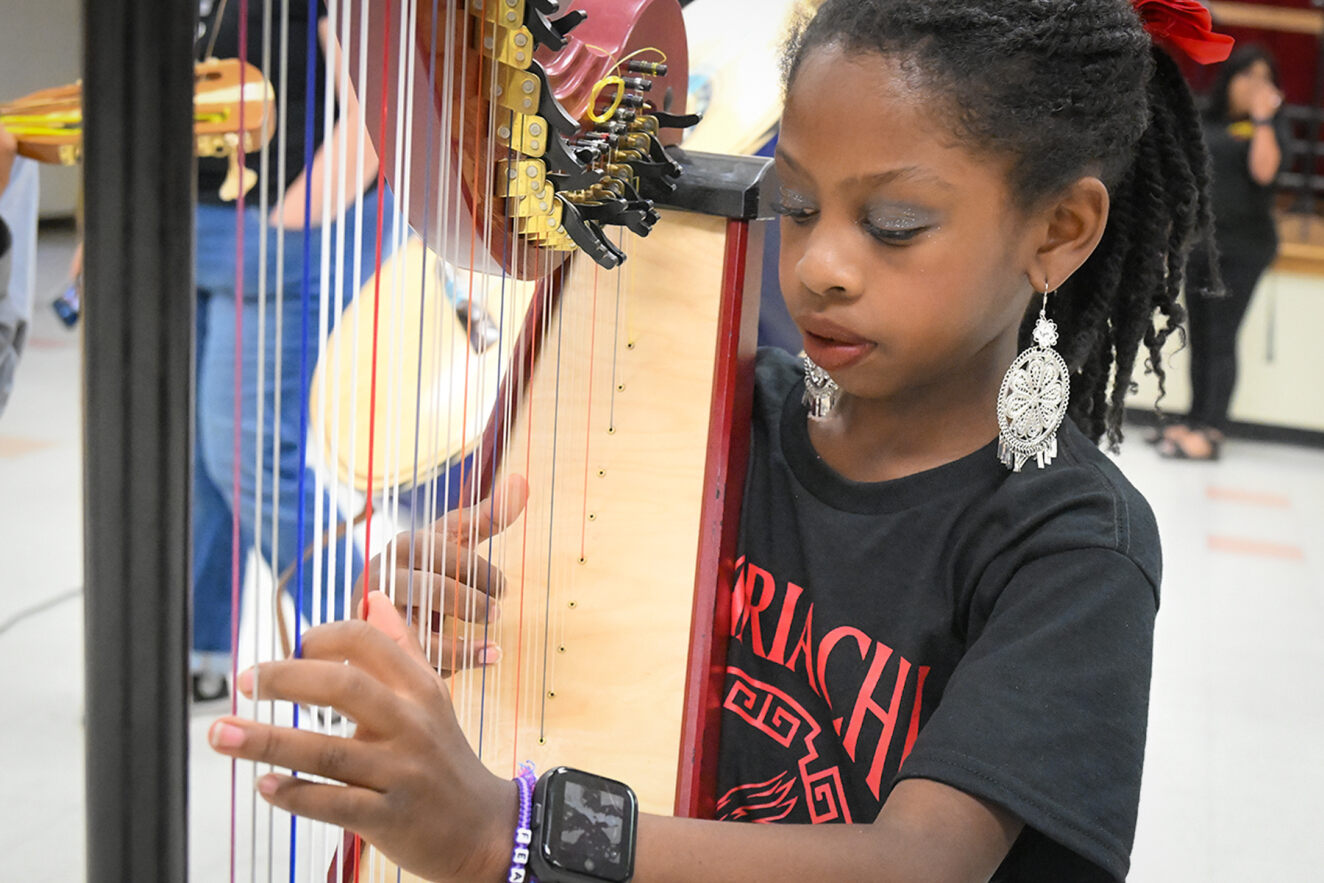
821 391
1033 399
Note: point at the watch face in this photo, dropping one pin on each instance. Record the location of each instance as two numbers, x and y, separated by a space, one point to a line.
591 829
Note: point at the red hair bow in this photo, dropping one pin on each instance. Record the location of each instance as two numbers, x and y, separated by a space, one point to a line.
1184 25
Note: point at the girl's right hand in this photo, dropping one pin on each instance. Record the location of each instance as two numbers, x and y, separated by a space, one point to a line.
412 785
440 577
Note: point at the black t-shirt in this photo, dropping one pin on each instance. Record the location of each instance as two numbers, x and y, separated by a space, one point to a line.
986 629
1243 208
212 171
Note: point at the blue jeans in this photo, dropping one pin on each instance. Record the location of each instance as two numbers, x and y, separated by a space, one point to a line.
213 496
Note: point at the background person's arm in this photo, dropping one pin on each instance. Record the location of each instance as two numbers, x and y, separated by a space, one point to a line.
330 159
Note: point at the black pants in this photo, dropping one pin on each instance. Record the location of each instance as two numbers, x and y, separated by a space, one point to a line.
1214 323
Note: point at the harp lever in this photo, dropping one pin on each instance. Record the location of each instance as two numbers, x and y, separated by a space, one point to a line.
677 120
544 33
577 178
637 216
588 236
560 161
568 22
549 108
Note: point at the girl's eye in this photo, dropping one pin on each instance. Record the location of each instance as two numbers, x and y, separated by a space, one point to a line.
798 214
893 235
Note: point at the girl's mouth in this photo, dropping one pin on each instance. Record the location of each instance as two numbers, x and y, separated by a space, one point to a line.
833 349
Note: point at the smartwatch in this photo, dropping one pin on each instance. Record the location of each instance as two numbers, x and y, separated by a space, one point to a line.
583 828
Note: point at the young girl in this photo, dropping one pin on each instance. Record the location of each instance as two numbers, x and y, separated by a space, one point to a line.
958 652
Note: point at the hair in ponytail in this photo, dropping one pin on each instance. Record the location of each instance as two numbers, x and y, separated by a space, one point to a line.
1064 90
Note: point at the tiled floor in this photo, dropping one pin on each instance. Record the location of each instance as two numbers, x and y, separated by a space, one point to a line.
1234 787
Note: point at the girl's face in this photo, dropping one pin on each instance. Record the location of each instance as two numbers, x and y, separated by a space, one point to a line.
1241 88
903 262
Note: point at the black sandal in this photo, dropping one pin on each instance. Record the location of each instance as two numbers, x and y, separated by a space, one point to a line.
1160 433
1171 449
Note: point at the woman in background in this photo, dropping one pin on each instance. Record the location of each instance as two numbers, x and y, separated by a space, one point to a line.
1241 130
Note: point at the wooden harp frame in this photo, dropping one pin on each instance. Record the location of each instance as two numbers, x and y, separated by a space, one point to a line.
139 419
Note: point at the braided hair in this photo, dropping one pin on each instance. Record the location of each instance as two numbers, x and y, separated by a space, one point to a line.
1065 88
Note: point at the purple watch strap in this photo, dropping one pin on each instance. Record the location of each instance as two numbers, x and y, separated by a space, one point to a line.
519 856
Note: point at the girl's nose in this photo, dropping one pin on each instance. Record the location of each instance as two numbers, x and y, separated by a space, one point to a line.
829 266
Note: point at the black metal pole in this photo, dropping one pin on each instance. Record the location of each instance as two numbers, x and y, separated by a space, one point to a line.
138 184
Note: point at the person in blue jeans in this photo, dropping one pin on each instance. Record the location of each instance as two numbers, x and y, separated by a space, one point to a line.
213 553
292 194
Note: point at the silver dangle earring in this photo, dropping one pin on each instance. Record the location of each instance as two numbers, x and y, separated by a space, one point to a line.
821 391
1033 399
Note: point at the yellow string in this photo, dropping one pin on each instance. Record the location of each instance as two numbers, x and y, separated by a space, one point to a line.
616 103
50 124
36 131
637 52
20 119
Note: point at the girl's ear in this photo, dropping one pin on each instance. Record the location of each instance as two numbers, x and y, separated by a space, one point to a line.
1075 222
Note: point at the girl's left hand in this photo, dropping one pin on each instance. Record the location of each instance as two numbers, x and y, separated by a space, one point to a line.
413 787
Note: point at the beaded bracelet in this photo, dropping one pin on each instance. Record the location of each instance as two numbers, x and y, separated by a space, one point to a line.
519 856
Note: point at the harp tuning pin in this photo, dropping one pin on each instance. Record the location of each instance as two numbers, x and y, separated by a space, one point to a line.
625 115
587 153
632 100
638 84
597 139
652 68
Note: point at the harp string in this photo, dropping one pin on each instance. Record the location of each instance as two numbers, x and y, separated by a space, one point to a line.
261 370
447 243
480 478
588 417
282 134
333 204
430 233
422 321
390 495
466 479
235 576
264 172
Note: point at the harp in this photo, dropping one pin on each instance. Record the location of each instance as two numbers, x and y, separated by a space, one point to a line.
642 386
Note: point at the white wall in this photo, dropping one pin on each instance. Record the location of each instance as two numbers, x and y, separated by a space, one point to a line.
1281 359
40 48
